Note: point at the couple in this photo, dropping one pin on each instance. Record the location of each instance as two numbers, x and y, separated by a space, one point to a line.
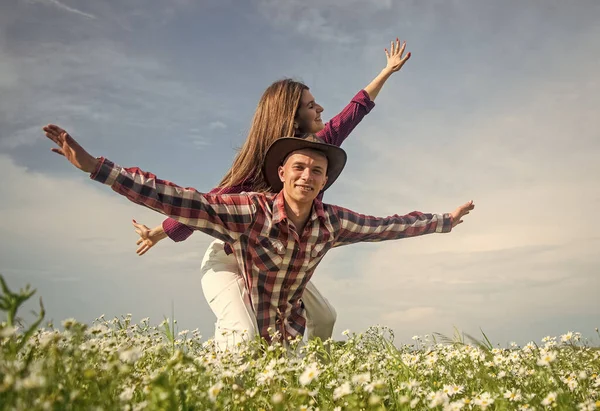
257 273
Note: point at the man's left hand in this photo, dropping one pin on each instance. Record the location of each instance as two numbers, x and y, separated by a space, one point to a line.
460 212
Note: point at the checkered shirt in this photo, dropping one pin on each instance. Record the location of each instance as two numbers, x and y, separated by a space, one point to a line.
274 259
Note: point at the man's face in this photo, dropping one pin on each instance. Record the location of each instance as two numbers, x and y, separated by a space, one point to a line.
304 174
308 116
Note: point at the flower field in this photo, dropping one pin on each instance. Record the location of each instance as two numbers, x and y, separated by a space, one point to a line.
117 364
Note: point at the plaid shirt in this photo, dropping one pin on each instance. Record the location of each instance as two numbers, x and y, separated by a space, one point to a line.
335 132
274 259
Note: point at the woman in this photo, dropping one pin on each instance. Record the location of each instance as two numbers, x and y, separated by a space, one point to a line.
286 108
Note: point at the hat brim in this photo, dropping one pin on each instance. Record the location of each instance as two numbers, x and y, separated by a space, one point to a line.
281 148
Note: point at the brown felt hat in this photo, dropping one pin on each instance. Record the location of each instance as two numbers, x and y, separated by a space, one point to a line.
281 148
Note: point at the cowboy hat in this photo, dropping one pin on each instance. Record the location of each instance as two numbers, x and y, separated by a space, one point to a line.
282 147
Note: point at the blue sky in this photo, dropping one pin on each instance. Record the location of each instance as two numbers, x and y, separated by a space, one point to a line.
498 104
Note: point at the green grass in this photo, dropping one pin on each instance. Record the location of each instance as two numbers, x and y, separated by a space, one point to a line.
119 365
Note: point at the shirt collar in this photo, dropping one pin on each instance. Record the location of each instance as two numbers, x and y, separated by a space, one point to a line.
279 213
318 210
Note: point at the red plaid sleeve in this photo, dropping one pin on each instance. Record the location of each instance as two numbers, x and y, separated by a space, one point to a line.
177 231
222 216
340 126
356 227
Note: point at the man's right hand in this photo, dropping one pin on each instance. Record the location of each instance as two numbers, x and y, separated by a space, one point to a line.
148 238
70 149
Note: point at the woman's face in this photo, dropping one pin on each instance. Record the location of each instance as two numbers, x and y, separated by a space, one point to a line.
308 116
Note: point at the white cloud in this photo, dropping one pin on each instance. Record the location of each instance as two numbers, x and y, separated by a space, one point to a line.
217 125
324 21
95 83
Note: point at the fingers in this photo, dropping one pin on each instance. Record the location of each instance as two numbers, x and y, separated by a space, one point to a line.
395 55
58 151
55 128
140 229
140 226
396 48
144 243
466 207
460 212
58 136
143 249
401 51
52 136
52 130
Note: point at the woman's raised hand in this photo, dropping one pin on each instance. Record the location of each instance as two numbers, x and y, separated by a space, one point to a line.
395 56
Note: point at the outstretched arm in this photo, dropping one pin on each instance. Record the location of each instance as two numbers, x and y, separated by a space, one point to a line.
361 228
223 217
180 232
340 126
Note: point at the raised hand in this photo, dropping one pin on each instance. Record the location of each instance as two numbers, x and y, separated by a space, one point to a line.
395 61
460 212
70 149
395 56
148 238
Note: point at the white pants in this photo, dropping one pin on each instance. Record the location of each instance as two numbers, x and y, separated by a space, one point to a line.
227 296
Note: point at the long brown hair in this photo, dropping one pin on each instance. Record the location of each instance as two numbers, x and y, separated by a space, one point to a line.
273 119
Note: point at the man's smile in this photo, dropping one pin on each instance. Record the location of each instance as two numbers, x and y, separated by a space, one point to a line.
304 187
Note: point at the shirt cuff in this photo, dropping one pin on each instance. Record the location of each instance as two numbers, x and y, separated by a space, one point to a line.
106 172
362 98
444 223
175 230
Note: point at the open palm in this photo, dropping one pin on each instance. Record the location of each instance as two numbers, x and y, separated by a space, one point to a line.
70 149
395 56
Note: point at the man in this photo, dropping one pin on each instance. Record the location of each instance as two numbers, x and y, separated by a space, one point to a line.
278 239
